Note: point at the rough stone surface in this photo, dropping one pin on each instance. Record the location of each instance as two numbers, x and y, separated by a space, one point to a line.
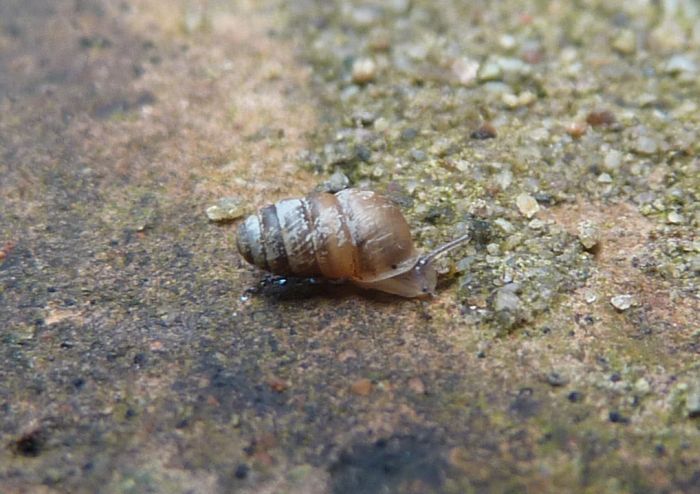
139 353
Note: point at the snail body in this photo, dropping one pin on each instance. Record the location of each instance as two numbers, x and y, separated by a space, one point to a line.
353 234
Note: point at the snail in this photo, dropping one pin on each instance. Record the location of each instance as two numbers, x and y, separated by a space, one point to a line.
353 234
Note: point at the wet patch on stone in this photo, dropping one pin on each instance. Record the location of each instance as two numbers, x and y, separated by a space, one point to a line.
402 463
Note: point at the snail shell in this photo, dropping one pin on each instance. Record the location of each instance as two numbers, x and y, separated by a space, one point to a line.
356 235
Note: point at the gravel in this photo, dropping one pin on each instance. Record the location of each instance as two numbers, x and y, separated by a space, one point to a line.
622 302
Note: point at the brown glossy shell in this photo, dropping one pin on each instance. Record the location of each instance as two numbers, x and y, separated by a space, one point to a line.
351 234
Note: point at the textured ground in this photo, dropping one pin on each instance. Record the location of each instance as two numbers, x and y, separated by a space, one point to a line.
138 353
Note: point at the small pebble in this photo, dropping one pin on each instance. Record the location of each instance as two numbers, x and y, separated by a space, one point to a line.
645 145
381 124
485 131
346 355
408 134
361 387
642 386
513 66
555 379
605 178
612 160
465 70
363 153
418 155
588 234
526 98
575 396
507 41
675 218
242 471
597 118
504 179
416 385
364 70
539 134
678 64
510 100
536 224
276 384
504 225
335 183
226 209
489 71
464 264
523 99
625 42
506 298
590 296
527 205
622 302
617 418
576 129
364 118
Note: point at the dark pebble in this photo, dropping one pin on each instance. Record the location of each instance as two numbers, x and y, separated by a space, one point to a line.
598 118
575 396
140 359
409 134
486 131
544 198
31 444
617 418
555 379
242 471
363 153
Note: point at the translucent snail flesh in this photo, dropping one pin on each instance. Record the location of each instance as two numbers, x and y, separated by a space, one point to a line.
353 234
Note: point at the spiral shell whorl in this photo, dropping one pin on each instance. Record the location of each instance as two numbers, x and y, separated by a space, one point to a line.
352 234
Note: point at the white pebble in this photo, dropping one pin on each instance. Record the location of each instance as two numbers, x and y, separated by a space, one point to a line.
675 218
590 296
604 178
465 69
612 160
622 302
226 208
364 70
680 63
646 145
527 205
